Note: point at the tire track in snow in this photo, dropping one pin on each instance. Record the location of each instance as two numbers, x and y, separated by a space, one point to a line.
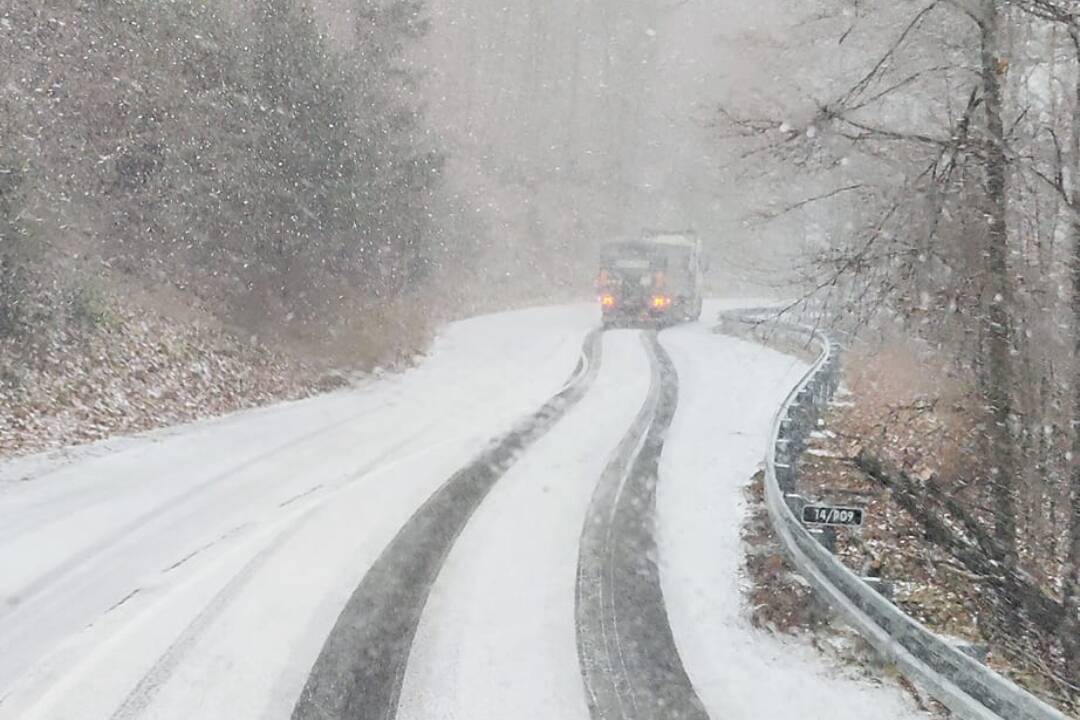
144 692
359 672
629 663
78 560
139 699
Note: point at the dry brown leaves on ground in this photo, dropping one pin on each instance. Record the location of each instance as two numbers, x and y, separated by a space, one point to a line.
132 373
782 601
927 580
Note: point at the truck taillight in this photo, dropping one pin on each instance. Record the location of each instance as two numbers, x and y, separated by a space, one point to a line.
660 302
607 301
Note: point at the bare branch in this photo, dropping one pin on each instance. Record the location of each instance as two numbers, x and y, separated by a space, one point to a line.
860 87
772 215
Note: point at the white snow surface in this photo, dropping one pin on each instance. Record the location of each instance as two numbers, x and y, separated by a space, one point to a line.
729 391
196 572
242 538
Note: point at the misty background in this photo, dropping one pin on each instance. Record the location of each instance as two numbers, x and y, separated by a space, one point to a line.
293 165
205 206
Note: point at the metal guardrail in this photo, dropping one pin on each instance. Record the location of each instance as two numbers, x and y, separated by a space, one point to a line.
968 688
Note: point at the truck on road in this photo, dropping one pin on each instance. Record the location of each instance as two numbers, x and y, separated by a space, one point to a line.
655 280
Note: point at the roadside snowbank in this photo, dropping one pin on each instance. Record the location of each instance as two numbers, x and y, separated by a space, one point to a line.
729 390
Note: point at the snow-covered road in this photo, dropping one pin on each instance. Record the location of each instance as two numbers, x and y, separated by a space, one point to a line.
498 634
198 572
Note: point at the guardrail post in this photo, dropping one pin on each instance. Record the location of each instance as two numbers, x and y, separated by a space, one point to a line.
782 451
825 536
884 588
785 476
797 413
834 372
973 650
796 502
784 431
792 431
826 389
805 397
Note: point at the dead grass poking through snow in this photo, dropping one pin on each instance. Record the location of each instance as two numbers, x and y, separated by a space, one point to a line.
782 601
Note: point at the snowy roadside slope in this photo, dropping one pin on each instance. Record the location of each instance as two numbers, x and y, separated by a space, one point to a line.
729 391
195 574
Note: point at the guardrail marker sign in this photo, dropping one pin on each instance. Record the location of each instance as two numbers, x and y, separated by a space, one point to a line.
826 515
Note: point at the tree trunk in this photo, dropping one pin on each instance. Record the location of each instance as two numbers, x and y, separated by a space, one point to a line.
997 317
933 509
1072 559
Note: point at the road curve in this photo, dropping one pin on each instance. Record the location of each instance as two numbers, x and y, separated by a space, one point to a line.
246 536
629 663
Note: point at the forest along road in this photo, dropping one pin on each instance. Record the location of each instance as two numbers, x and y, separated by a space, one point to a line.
537 521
